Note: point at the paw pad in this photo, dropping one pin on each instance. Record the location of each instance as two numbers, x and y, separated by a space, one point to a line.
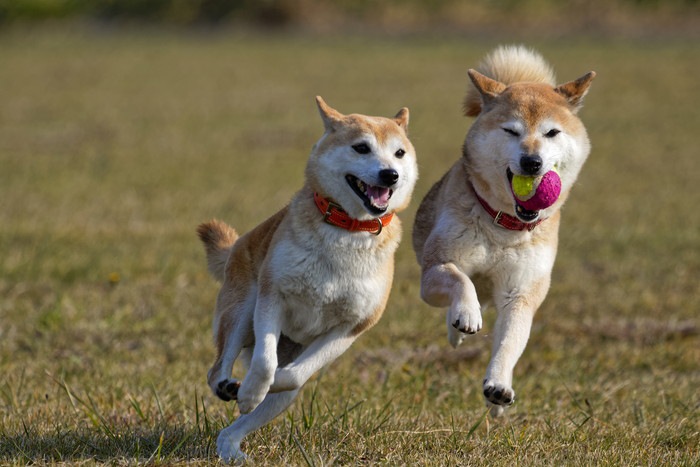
227 390
498 394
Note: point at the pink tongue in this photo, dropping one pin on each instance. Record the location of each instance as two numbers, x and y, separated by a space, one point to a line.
379 196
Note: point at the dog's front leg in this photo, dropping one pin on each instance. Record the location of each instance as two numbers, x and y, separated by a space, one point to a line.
315 356
445 285
266 326
516 310
228 443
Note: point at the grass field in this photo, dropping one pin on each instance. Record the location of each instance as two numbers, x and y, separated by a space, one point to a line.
113 147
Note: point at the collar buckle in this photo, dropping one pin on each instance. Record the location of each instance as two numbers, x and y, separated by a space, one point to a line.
497 218
329 208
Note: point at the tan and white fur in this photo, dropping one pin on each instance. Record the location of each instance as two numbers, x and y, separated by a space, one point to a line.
296 291
465 258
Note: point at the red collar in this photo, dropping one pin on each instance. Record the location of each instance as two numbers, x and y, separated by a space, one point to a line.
506 220
333 214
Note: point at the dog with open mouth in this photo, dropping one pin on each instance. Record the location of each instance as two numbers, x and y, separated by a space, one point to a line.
298 289
489 228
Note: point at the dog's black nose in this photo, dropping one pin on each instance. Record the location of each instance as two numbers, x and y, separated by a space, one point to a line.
531 163
388 176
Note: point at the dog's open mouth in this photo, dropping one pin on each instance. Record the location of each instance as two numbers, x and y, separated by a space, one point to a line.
523 214
375 198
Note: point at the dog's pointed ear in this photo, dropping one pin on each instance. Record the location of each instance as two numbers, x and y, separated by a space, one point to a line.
401 118
488 89
574 91
331 117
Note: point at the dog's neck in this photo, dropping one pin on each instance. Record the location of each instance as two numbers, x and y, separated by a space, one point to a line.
335 215
504 220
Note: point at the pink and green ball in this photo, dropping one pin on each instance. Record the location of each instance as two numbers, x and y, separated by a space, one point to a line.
536 193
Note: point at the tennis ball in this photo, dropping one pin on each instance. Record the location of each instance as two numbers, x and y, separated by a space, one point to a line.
536 193
524 187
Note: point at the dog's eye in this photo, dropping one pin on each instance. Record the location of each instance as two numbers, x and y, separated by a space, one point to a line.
361 148
552 133
511 132
399 154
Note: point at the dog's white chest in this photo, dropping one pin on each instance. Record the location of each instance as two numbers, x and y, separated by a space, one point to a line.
321 290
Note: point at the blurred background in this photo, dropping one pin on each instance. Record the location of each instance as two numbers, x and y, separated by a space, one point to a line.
542 18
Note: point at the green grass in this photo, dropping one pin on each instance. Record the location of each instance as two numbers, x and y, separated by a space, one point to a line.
113 147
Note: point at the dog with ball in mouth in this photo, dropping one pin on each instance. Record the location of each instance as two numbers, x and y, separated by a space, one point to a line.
489 228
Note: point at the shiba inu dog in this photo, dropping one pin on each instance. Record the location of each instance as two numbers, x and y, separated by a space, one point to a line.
472 235
298 289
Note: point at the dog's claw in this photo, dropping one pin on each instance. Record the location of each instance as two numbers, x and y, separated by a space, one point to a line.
464 329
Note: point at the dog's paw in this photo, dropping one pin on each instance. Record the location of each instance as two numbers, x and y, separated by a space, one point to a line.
227 390
462 320
498 394
230 452
249 397
470 324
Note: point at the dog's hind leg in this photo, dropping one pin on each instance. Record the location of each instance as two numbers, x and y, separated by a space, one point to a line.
219 376
234 330
228 443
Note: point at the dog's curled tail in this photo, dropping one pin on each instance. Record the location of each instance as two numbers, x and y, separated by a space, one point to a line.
509 64
218 238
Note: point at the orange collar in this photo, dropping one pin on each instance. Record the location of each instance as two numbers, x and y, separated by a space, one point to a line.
333 214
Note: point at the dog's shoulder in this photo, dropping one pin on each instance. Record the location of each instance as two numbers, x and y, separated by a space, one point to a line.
251 249
447 194
425 216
